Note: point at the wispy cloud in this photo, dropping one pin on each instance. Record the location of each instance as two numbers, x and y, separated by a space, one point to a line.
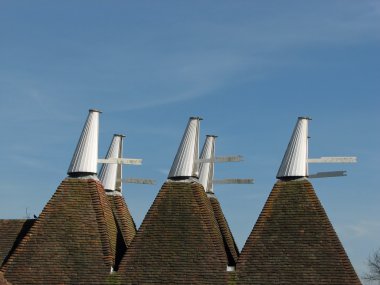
186 77
191 59
36 164
369 229
30 97
247 46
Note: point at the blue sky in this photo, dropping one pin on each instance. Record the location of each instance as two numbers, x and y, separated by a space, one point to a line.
249 68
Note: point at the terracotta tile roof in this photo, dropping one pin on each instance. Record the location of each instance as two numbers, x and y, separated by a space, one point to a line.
230 246
126 228
11 233
293 242
2 280
178 242
72 242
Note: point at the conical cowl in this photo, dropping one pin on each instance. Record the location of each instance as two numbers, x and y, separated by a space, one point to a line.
293 242
185 164
111 173
206 169
294 164
85 158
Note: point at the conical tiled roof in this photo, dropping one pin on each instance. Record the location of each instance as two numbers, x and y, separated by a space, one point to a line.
293 242
206 176
72 242
2 280
178 242
11 233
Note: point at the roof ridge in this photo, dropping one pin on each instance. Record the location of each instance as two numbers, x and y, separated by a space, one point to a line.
232 250
18 249
219 239
15 231
123 217
104 227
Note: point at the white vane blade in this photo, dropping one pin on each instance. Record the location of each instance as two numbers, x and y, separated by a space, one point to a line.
107 160
236 158
333 159
233 181
138 181
134 161
328 174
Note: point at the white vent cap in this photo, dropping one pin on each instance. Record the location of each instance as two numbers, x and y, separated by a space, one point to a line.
85 158
184 164
296 161
111 173
206 169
